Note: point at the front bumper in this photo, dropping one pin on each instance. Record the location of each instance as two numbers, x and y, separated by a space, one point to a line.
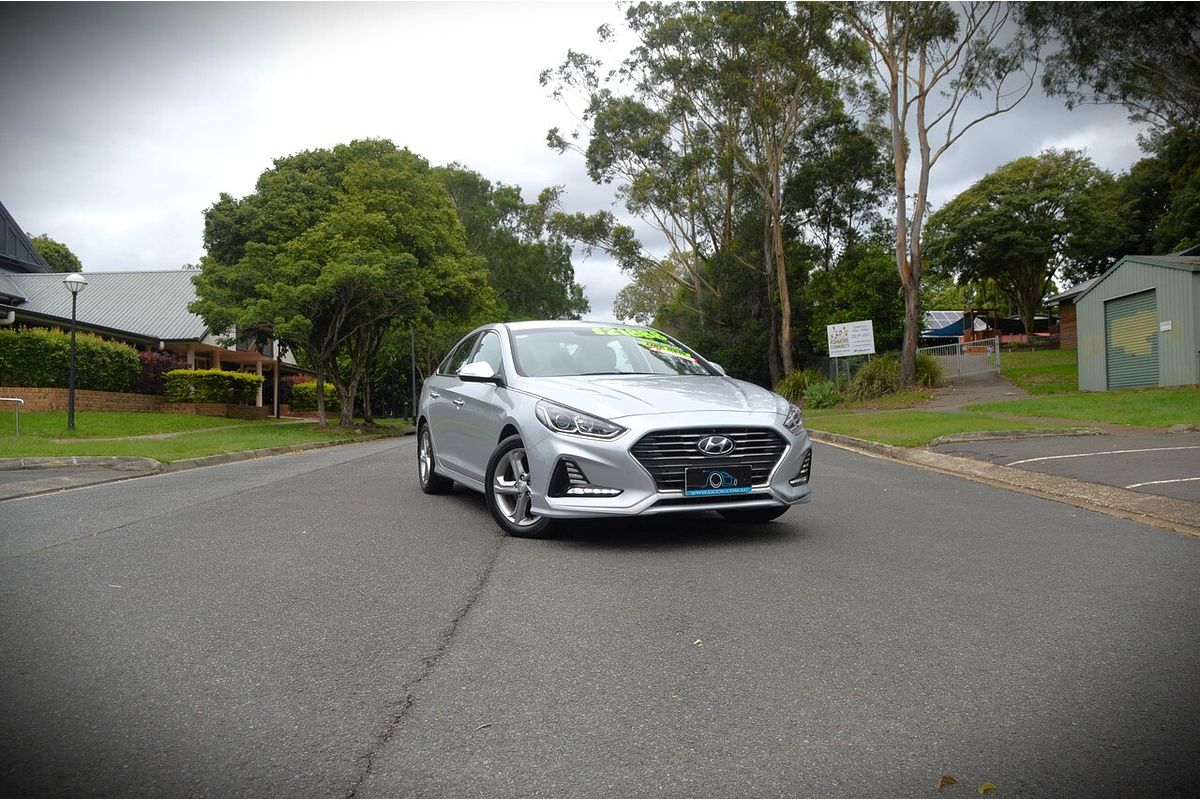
609 464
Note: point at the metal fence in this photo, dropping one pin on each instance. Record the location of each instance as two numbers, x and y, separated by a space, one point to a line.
966 358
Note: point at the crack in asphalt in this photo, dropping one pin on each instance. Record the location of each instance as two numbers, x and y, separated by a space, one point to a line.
427 665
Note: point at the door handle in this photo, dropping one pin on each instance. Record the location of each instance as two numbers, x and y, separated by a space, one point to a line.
458 403
434 394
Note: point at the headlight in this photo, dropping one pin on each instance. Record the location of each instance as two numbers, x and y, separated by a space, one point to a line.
561 419
794 421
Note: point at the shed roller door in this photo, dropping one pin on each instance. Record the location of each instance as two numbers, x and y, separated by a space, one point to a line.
1131 340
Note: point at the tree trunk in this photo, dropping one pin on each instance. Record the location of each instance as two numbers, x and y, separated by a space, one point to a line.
320 365
785 294
773 341
368 417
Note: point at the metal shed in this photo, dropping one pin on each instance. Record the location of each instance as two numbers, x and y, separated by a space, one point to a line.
1139 324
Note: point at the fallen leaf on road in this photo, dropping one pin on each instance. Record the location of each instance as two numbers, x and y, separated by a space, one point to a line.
947 780
483 725
987 787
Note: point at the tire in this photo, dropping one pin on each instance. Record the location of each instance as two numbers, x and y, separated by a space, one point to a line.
506 487
753 515
431 482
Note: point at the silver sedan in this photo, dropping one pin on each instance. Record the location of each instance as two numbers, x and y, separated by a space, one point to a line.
560 420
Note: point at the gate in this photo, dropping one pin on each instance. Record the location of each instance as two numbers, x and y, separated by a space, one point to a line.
966 358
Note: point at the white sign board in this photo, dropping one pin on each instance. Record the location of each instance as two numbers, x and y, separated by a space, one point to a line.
851 339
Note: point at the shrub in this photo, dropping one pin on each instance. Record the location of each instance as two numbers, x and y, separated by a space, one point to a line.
929 371
881 375
821 394
42 357
211 386
793 385
155 365
304 397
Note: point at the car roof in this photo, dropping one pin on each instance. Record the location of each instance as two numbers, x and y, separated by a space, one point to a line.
565 323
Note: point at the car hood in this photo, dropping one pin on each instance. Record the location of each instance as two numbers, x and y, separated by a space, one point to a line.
616 396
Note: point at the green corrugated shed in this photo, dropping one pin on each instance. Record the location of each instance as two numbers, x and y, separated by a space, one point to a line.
1139 324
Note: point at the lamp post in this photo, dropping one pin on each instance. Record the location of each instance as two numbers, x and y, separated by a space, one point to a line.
74 283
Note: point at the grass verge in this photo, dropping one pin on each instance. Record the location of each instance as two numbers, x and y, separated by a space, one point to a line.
1041 371
1148 408
163 437
912 428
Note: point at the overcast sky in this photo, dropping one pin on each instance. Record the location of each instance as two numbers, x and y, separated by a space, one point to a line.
121 123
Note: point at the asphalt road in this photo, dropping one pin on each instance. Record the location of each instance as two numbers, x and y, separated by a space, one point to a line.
1167 464
311 624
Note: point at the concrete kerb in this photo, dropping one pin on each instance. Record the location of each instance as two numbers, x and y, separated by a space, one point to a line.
1180 516
1168 513
125 468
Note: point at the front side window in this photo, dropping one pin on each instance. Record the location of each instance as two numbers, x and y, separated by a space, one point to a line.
489 351
603 350
458 356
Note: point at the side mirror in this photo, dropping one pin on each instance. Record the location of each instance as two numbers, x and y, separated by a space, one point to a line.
479 372
717 367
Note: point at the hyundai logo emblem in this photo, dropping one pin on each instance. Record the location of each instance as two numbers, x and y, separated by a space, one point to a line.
715 445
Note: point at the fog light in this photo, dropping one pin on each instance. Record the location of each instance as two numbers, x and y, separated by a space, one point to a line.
568 480
805 467
592 491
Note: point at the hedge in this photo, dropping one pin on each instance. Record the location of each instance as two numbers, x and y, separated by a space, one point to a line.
155 365
42 357
211 386
304 397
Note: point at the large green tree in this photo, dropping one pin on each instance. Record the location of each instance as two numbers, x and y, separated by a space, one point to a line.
332 248
56 254
934 60
1021 224
862 284
530 271
1144 56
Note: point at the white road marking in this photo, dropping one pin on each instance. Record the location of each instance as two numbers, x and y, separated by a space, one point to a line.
1103 453
1155 483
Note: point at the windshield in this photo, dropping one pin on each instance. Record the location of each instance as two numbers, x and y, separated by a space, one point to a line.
602 350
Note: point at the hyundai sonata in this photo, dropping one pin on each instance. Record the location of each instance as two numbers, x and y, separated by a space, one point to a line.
562 420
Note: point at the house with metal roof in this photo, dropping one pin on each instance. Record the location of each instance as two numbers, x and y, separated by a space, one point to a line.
1139 323
147 310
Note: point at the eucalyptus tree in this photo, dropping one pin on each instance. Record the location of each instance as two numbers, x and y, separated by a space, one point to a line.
1021 224
1144 56
706 113
332 247
944 69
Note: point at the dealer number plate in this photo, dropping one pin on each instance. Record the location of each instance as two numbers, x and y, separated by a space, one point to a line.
700 481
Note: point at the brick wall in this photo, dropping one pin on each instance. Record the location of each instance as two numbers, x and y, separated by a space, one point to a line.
216 410
45 399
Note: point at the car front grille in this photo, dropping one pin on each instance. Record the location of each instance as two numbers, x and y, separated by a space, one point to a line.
666 454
